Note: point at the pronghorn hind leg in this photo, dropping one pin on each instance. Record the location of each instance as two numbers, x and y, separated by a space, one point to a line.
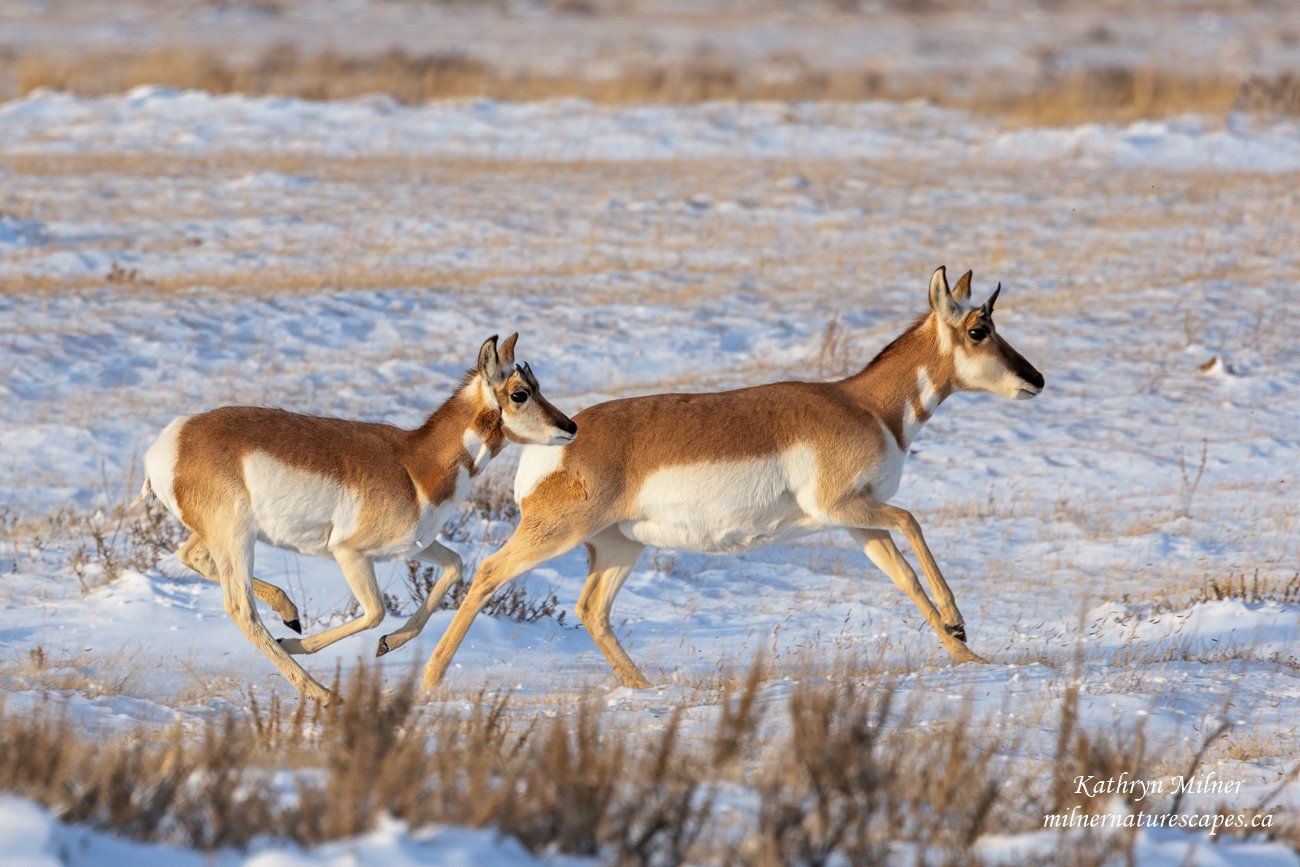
532 543
234 562
612 556
452 569
880 548
359 572
196 555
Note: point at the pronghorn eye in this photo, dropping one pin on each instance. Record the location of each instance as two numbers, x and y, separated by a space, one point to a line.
519 396
977 334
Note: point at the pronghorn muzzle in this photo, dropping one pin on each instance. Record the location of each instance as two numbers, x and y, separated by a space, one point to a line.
1031 380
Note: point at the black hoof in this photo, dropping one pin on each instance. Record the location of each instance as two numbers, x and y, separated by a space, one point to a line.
294 625
279 641
383 646
958 632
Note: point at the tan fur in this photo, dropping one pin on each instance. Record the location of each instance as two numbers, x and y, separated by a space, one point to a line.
391 474
387 467
853 427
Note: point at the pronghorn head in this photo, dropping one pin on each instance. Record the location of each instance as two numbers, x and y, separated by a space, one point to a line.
982 360
527 417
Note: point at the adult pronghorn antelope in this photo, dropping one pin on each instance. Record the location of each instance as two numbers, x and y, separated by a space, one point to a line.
356 491
730 471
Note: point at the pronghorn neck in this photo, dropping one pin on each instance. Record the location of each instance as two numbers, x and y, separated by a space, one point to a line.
907 381
463 432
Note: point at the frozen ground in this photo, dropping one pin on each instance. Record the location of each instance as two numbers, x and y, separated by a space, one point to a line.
165 252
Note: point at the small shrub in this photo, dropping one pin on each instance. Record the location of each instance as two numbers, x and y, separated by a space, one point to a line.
513 602
128 537
492 501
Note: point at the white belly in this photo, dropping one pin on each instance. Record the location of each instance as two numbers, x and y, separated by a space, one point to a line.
729 506
432 518
298 510
312 514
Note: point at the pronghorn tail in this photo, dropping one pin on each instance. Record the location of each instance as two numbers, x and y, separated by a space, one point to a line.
146 491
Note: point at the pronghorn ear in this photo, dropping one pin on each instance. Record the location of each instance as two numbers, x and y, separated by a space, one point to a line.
507 351
962 290
988 305
489 363
940 297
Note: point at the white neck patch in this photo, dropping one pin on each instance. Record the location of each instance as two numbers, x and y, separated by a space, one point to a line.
479 453
927 397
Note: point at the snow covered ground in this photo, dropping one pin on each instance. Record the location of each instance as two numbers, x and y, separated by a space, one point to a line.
164 252
30 837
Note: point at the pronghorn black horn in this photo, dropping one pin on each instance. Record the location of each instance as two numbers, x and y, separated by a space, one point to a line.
988 305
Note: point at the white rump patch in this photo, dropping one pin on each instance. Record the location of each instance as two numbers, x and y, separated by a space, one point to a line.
298 510
730 506
160 464
535 464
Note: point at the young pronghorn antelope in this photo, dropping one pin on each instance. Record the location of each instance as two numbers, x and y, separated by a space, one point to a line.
733 470
355 491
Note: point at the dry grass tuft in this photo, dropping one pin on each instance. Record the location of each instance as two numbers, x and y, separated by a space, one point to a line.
576 784
848 776
64 672
1253 590
1113 94
854 782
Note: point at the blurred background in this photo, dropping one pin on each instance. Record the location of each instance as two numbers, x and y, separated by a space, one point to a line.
1035 61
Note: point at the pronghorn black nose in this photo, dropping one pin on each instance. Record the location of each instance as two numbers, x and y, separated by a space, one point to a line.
1024 369
569 426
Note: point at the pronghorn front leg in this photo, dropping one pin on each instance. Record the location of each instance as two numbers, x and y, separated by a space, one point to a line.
870 524
197 556
879 546
359 572
532 543
452 569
